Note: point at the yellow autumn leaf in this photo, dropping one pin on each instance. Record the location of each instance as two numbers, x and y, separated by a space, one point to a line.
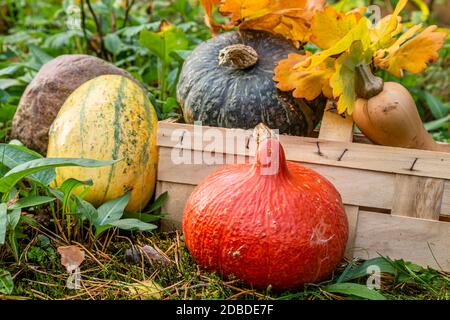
288 18
359 33
295 29
245 10
384 31
411 53
377 34
329 26
295 74
343 80
147 289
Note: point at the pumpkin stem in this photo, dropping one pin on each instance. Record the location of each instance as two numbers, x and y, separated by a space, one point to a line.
270 157
262 132
366 84
238 56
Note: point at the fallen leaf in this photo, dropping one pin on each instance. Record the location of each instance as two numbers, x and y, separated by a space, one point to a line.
13 200
71 257
148 289
151 254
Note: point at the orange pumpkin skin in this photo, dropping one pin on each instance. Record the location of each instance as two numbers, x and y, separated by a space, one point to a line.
284 229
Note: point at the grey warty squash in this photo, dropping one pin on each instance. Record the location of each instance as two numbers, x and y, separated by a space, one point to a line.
227 82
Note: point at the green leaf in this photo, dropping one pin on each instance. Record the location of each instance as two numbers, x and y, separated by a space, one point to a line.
131 31
113 43
343 80
153 42
10 70
69 185
158 202
354 289
40 56
7 111
112 210
13 219
144 217
14 175
4 97
3 222
180 55
8 83
6 282
13 155
31 201
364 269
86 209
133 224
436 124
100 229
437 108
164 42
169 105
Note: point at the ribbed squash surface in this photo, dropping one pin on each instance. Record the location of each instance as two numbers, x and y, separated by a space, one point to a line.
109 117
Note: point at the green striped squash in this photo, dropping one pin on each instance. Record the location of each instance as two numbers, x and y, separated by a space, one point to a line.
108 117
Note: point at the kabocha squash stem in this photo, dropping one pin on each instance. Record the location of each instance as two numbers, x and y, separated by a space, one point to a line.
366 84
238 56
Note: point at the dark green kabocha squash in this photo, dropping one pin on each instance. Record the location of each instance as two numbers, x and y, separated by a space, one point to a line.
227 82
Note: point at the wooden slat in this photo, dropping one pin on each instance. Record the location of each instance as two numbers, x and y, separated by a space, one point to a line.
357 187
340 154
445 205
417 197
421 241
335 127
352 216
173 207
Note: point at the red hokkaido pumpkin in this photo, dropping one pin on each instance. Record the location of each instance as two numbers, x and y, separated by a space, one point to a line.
271 222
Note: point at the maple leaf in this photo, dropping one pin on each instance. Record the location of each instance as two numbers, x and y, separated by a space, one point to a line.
295 73
329 26
411 53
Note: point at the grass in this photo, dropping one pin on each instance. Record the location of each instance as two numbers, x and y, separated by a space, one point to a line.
108 274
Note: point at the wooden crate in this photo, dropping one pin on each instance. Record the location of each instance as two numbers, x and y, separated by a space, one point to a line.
397 200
